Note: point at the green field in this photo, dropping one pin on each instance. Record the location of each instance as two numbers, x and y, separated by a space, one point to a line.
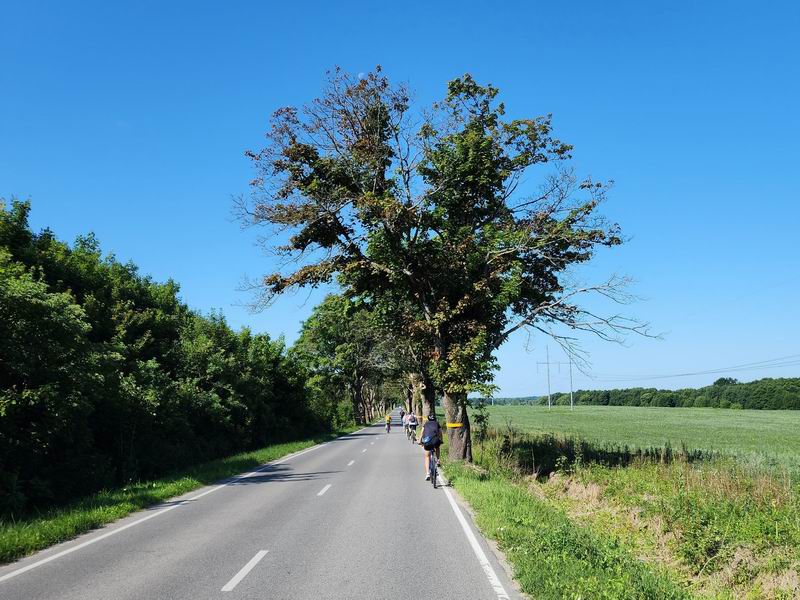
773 435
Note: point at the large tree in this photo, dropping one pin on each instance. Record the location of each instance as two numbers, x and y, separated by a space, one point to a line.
423 214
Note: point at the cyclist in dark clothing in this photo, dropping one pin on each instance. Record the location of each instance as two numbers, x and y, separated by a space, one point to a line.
430 439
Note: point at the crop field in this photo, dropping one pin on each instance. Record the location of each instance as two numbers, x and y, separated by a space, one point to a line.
771 435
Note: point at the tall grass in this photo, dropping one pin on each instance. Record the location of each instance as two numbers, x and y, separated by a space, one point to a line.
552 557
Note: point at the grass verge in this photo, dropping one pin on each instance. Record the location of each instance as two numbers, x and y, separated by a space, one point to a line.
580 520
552 557
25 536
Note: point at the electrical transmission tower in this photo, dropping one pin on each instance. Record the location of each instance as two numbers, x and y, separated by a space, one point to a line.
558 364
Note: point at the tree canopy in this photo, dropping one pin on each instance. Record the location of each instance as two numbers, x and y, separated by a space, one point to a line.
421 213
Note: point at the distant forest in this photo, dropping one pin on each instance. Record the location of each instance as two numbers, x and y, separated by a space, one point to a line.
723 393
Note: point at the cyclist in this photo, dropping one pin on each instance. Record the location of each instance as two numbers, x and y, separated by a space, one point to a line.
388 422
402 414
411 424
431 439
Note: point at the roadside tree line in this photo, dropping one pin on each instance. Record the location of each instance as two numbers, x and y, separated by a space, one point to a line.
107 377
446 229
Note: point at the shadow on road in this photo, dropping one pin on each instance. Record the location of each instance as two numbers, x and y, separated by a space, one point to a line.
350 436
281 473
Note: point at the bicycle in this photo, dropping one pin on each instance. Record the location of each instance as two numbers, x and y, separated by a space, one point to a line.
432 468
411 434
388 426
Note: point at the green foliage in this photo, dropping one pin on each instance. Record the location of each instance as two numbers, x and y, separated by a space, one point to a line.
350 362
106 377
419 214
767 393
480 416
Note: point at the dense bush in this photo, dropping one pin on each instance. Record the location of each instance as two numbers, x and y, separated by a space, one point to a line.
724 393
107 377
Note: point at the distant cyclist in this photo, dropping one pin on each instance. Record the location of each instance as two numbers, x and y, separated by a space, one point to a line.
402 414
388 423
431 439
411 424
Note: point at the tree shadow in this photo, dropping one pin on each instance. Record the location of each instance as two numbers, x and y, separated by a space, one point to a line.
351 436
540 455
279 473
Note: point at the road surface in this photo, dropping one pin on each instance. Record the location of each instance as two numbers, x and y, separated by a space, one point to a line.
352 518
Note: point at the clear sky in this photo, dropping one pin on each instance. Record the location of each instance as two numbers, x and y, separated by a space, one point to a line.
131 120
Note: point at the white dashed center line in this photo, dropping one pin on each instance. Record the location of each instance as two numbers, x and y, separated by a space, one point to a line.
245 570
350 464
323 490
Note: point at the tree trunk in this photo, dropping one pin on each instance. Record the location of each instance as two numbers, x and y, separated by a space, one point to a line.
409 404
415 387
458 434
370 403
359 414
428 395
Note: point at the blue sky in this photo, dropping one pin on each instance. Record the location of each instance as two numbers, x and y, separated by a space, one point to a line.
131 120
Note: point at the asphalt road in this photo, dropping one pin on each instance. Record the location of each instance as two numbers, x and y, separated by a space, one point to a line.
352 518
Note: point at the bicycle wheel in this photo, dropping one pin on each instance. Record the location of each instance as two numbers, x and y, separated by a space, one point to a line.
433 470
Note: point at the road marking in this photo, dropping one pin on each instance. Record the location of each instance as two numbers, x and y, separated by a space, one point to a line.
498 588
207 492
364 450
260 469
244 571
350 464
371 443
53 557
86 543
323 490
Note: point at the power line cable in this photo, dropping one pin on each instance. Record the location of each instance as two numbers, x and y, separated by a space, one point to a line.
782 361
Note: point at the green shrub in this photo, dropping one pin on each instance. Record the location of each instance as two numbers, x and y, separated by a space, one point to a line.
106 377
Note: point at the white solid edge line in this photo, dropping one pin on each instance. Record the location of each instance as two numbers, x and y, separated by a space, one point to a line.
323 490
494 581
244 571
53 557
86 543
350 464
